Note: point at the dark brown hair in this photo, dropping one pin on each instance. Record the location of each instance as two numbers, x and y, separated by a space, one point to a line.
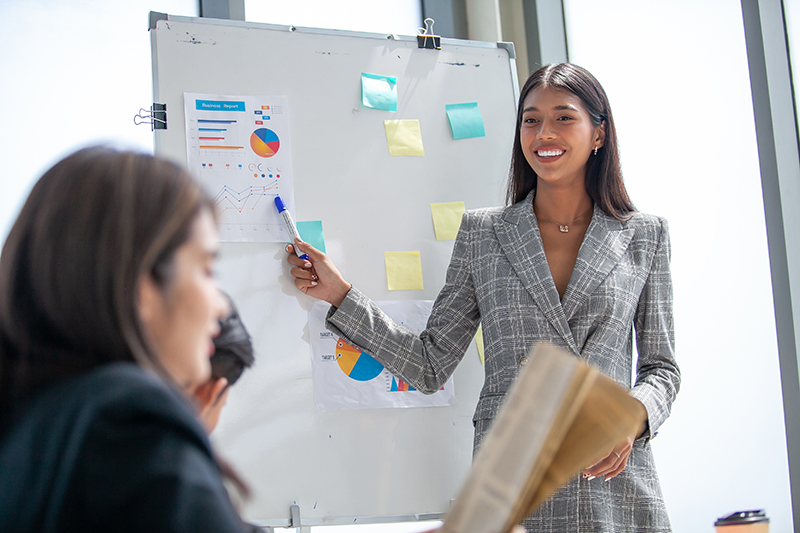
603 174
92 227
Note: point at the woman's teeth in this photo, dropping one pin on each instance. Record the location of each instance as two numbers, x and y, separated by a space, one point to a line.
550 153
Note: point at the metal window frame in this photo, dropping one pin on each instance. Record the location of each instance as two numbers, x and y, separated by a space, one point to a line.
779 158
546 32
222 9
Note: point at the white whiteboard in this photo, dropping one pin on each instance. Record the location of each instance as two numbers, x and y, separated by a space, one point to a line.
344 466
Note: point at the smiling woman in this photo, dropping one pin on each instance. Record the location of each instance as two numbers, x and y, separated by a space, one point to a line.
573 95
108 307
568 261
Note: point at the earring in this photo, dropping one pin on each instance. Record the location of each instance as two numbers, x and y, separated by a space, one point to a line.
595 150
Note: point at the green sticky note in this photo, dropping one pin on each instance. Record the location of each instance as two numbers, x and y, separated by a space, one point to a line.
447 219
379 92
311 232
403 271
465 120
404 137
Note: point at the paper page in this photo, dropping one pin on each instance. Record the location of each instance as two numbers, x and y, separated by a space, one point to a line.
345 377
521 443
607 417
239 148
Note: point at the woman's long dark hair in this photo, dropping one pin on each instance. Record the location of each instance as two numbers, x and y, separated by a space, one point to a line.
92 227
603 174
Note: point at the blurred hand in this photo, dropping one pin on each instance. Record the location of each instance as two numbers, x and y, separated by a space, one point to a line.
616 460
317 277
614 463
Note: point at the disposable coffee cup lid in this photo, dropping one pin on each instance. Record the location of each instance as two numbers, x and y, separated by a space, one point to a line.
742 517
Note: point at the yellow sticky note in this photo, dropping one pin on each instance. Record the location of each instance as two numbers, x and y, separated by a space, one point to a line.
403 271
479 343
447 219
404 137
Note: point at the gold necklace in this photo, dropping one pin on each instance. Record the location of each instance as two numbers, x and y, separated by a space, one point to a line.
563 228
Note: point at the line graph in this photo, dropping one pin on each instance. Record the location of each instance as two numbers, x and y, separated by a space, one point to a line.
246 199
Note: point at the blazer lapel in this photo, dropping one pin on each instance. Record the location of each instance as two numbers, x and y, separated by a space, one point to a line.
603 245
519 237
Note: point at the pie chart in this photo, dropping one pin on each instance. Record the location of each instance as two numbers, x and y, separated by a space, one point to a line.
264 142
355 363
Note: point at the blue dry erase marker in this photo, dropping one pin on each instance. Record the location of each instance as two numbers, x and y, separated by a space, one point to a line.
291 229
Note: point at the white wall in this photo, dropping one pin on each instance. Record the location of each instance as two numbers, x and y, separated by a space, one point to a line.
677 76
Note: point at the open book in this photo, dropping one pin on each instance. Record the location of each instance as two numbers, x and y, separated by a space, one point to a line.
560 417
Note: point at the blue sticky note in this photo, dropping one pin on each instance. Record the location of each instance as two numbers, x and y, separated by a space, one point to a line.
379 92
311 232
465 120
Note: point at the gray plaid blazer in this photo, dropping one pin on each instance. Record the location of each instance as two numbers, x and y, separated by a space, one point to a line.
499 276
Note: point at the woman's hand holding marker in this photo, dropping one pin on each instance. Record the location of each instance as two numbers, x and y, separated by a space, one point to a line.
317 276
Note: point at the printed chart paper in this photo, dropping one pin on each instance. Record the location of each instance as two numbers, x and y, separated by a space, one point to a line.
345 377
239 148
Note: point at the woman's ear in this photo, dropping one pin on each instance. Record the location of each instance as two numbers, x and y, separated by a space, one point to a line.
209 392
600 135
210 398
148 300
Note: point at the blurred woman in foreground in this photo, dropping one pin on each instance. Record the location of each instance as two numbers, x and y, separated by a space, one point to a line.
108 309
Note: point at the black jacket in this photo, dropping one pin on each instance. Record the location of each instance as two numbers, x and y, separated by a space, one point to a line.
115 449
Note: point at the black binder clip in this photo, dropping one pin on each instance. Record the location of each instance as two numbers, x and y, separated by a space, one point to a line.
156 117
426 38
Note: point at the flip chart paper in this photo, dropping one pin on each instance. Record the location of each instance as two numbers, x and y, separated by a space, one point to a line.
311 232
379 92
465 120
447 219
403 137
403 271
